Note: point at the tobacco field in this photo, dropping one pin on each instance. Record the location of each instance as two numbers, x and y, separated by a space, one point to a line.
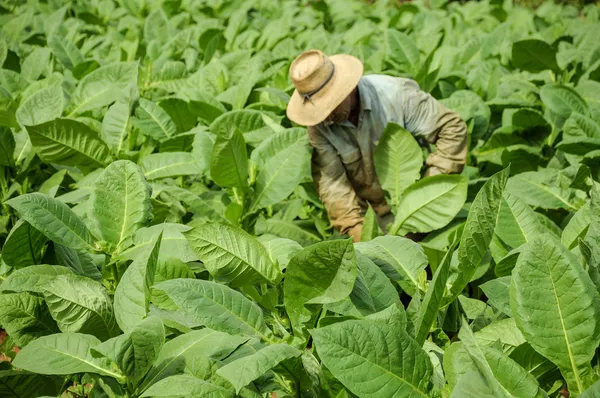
162 237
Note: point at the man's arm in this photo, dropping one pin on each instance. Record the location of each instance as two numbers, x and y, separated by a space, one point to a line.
427 117
335 190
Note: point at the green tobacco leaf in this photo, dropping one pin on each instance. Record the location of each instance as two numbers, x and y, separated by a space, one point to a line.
103 86
54 219
23 246
81 263
65 51
14 384
32 278
563 100
497 292
281 174
278 142
280 250
478 231
115 126
577 227
179 353
352 350
173 244
217 306
120 203
68 142
43 106
534 56
25 317
243 371
372 292
592 238
187 385
399 258
550 287
432 301
135 352
430 203
537 189
80 304
334 263
398 160
504 376
229 161
232 255
132 296
592 392
370 228
63 354
154 121
517 222
7 145
402 49
170 164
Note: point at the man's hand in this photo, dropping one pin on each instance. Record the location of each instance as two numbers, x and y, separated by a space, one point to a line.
432 171
355 232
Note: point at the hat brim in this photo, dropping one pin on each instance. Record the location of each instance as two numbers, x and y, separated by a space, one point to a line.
348 71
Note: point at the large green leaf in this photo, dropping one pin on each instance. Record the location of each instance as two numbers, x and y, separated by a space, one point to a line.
229 162
540 189
432 301
398 160
430 203
402 49
577 227
81 305
556 306
217 306
399 258
592 237
323 273
65 51
63 354
171 164
33 278
563 100
16 384
281 173
374 359
135 352
54 219
478 231
534 56
132 296
120 203
7 145
115 126
154 121
503 375
243 371
43 106
103 86
187 385
80 262
25 317
179 353
232 255
172 246
23 246
517 222
68 142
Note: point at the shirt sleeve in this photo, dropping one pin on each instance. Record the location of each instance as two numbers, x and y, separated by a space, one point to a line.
426 117
335 190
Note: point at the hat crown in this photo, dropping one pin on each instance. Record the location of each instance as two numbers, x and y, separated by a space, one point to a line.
310 71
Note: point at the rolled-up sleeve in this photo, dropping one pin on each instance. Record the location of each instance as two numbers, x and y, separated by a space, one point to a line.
426 117
335 190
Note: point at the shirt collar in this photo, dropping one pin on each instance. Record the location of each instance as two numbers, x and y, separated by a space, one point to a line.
364 91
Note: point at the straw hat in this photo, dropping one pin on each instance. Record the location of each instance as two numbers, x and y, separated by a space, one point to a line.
322 83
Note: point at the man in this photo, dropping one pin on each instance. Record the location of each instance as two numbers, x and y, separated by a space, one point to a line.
346 114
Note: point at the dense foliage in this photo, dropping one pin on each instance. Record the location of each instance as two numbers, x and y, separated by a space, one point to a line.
162 236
